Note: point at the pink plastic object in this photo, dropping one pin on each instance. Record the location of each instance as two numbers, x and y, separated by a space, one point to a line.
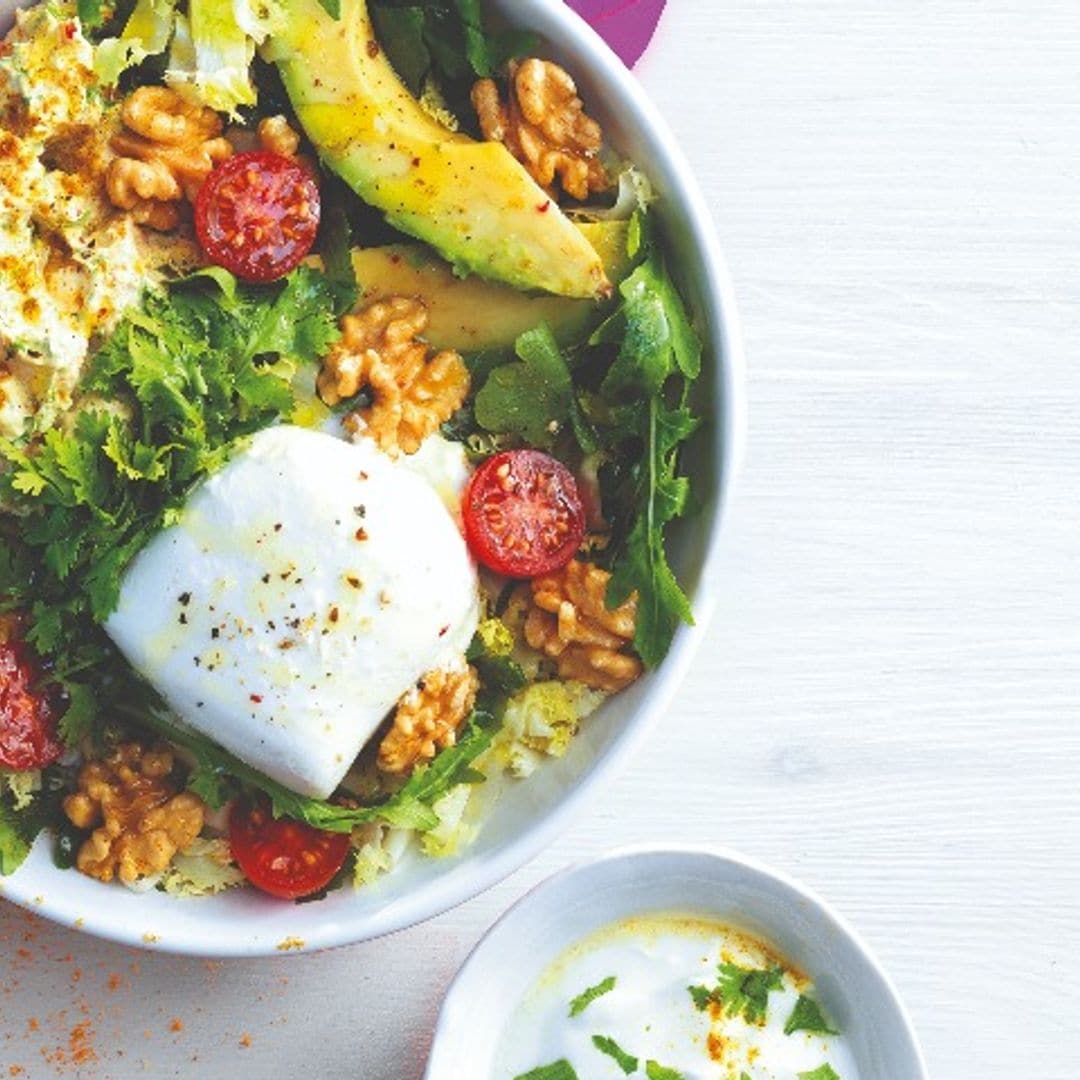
626 25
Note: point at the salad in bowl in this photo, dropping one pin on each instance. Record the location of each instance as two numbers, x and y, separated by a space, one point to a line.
344 390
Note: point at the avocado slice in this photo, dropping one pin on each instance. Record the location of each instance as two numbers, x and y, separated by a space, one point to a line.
472 201
471 314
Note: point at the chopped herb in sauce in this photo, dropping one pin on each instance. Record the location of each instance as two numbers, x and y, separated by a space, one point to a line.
587 997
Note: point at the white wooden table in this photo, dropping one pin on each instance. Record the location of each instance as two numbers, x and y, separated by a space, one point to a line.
889 704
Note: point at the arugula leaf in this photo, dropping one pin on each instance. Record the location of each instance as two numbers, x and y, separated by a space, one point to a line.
558 1070
531 397
627 1062
579 1004
640 420
655 1071
409 808
822 1072
807 1016
332 8
499 672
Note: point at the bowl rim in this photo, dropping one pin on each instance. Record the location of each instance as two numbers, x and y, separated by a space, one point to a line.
714 854
625 97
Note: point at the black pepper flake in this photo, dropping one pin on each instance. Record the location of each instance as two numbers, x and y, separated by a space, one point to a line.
353 581
277 527
215 633
360 511
183 619
199 704
198 662
185 598
266 579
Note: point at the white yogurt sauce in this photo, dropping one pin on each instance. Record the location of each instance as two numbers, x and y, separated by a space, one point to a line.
651 1015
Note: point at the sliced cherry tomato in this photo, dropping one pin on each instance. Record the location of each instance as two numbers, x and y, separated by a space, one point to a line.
523 514
283 857
28 716
257 215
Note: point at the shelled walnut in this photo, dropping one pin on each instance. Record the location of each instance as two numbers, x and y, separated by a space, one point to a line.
165 150
276 136
412 392
427 719
570 622
139 820
544 125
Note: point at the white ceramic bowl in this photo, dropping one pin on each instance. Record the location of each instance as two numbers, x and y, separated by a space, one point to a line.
710 883
529 814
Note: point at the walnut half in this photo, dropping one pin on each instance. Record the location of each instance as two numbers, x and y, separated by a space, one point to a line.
139 820
571 623
165 150
412 392
544 125
427 719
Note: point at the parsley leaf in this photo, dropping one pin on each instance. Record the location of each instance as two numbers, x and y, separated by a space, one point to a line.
807 1016
198 367
740 991
655 1071
822 1072
587 997
627 1062
558 1070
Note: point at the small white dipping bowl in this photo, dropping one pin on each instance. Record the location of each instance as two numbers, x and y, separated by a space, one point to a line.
709 883
530 814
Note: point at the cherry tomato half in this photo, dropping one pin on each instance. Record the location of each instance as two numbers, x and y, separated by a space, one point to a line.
283 857
257 215
523 514
28 738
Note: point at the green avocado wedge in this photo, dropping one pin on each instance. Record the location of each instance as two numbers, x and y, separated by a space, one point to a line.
472 201
471 314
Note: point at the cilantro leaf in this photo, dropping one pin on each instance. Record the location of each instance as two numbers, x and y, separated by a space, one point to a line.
557 1070
740 991
746 992
13 844
822 1072
627 1062
579 1004
655 1071
531 397
807 1016
90 13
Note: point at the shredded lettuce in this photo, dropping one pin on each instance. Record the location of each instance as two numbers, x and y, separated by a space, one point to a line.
204 868
210 62
453 832
542 720
146 33
21 786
